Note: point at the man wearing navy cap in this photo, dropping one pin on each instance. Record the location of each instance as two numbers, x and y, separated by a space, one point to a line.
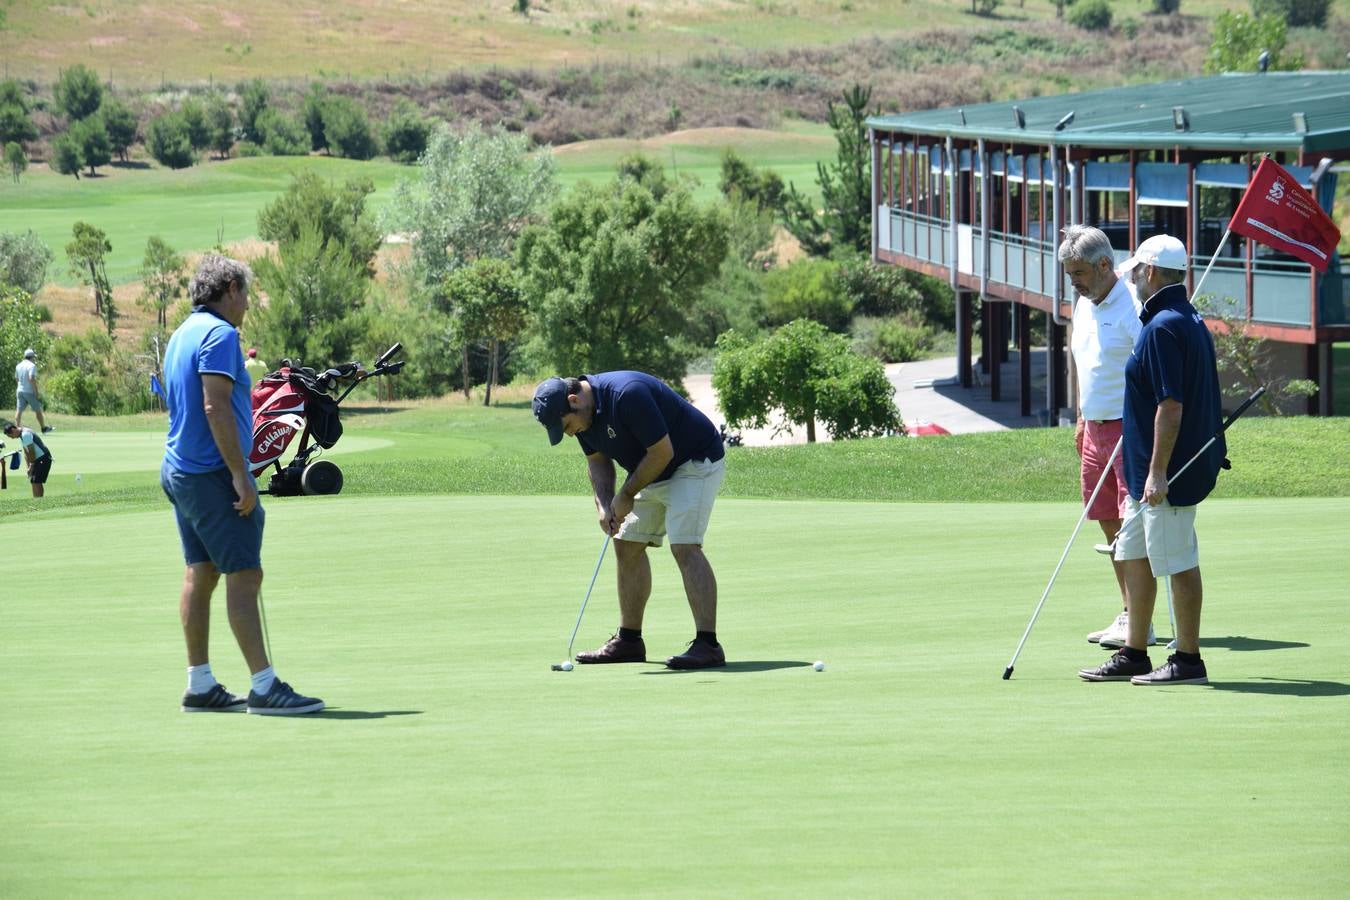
674 459
1172 408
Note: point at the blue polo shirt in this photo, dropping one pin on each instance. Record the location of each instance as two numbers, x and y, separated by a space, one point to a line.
204 343
1173 358
634 410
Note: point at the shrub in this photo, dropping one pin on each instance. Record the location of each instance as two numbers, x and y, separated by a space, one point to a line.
168 142
1091 15
24 259
406 133
893 340
347 129
282 134
1296 13
807 289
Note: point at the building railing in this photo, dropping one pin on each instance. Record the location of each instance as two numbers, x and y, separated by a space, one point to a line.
1280 292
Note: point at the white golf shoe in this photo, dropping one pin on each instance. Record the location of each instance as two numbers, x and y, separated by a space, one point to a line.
1119 633
1095 637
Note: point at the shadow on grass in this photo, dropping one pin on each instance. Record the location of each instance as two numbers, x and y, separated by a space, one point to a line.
1285 687
759 665
1238 642
130 164
362 713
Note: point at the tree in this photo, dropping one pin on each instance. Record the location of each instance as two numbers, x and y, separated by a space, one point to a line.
15 124
336 214
23 260
488 305
807 373
20 323
740 179
315 292
193 114
473 194
313 113
162 278
347 129
254 98
1239 39
16 159
807 289
406 133
67 156
95 146
845 185
167 140
87 254
121 125
220 120
78 92
1296 13
612 277
282 134
1091 15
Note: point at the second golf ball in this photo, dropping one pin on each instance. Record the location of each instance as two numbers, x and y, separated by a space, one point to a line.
819 666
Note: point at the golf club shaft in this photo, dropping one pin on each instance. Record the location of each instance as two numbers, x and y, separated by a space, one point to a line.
1199 453
587 598
267 638
1007 673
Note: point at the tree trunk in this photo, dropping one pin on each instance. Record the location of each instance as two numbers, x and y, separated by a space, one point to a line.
98 295
492 372
811 429
464 360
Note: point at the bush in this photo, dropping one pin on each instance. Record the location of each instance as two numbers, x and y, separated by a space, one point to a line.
78 92
24 259
255 96
67 155
406 133
1296 13
168 142
1166 7
894 340
807 289
282 135
247 149
1091 15
347 129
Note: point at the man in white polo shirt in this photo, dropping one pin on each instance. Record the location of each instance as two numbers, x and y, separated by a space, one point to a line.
1105 325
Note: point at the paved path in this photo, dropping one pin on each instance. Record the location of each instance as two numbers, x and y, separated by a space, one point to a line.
925 392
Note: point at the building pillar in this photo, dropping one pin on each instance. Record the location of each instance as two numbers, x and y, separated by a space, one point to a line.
986 339
963 334
1024 358
997 342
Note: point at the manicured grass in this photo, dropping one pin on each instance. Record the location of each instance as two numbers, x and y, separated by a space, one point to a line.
452 762
214 201
447 447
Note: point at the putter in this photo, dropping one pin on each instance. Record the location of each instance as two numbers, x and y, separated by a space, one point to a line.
557 667
1007 673
267 638
1111 547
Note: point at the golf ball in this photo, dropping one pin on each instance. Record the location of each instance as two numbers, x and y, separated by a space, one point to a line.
819 666
567 666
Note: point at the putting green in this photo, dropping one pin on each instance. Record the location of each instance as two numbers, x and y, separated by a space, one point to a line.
453 762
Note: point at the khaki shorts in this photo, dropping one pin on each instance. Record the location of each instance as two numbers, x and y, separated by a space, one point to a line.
679 507
1165 534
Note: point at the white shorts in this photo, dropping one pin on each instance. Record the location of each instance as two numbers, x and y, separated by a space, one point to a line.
679 507
1165 534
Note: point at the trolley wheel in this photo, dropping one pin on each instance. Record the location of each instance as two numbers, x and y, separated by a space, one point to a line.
321 477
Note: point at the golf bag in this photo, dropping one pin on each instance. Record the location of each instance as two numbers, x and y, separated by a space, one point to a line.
295 400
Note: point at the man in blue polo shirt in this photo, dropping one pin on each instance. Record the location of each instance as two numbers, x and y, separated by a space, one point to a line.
674 459
1172 408
207 479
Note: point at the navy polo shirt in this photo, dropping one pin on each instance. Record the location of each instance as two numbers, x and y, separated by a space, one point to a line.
634 410
1173 358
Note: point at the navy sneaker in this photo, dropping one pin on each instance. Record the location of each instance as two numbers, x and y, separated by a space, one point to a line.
1174 671
282 701
215 700
1118 668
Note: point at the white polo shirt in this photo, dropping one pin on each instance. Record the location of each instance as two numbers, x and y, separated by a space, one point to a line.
1103 338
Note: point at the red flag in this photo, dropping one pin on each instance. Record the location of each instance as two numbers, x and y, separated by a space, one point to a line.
1279 213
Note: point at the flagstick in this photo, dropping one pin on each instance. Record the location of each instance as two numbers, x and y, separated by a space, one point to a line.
1212 260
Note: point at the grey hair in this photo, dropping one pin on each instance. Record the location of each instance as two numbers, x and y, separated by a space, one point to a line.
1086 244
213 277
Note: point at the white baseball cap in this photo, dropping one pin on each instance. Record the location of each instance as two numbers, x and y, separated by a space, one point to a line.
1161 250
29 354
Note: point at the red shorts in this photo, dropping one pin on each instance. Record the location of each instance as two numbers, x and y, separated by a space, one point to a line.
1098 442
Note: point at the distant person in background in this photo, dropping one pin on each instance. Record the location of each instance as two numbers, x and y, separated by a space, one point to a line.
26 390
206 477
35 453
255 367
1105 325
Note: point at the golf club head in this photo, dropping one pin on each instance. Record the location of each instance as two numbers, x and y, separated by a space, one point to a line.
1007 673
557 667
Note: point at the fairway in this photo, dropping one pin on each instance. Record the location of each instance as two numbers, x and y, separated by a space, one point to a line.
452 762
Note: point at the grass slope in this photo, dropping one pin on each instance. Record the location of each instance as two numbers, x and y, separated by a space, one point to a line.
452 762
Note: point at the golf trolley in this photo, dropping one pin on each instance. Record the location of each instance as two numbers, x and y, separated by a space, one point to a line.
297 400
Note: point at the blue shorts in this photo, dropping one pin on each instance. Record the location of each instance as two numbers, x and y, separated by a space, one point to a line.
209 526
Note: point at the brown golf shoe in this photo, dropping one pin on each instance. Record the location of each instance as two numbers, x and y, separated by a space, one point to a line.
700 655
616 650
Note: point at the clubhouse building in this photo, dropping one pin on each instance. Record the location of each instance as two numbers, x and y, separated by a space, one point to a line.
978 195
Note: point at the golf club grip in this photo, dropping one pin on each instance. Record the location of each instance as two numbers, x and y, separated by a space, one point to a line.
398 345
1243 408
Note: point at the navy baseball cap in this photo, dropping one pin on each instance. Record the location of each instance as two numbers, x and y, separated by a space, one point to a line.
550 405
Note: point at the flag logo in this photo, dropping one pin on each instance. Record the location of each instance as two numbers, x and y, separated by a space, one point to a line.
1276 191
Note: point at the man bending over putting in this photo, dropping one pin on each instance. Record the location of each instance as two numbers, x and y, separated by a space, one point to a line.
674 459
206 477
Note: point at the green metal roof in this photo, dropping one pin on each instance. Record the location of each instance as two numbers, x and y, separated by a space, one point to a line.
1234 111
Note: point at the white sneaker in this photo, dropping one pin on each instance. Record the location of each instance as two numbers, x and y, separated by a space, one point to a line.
1120 621
1119 633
